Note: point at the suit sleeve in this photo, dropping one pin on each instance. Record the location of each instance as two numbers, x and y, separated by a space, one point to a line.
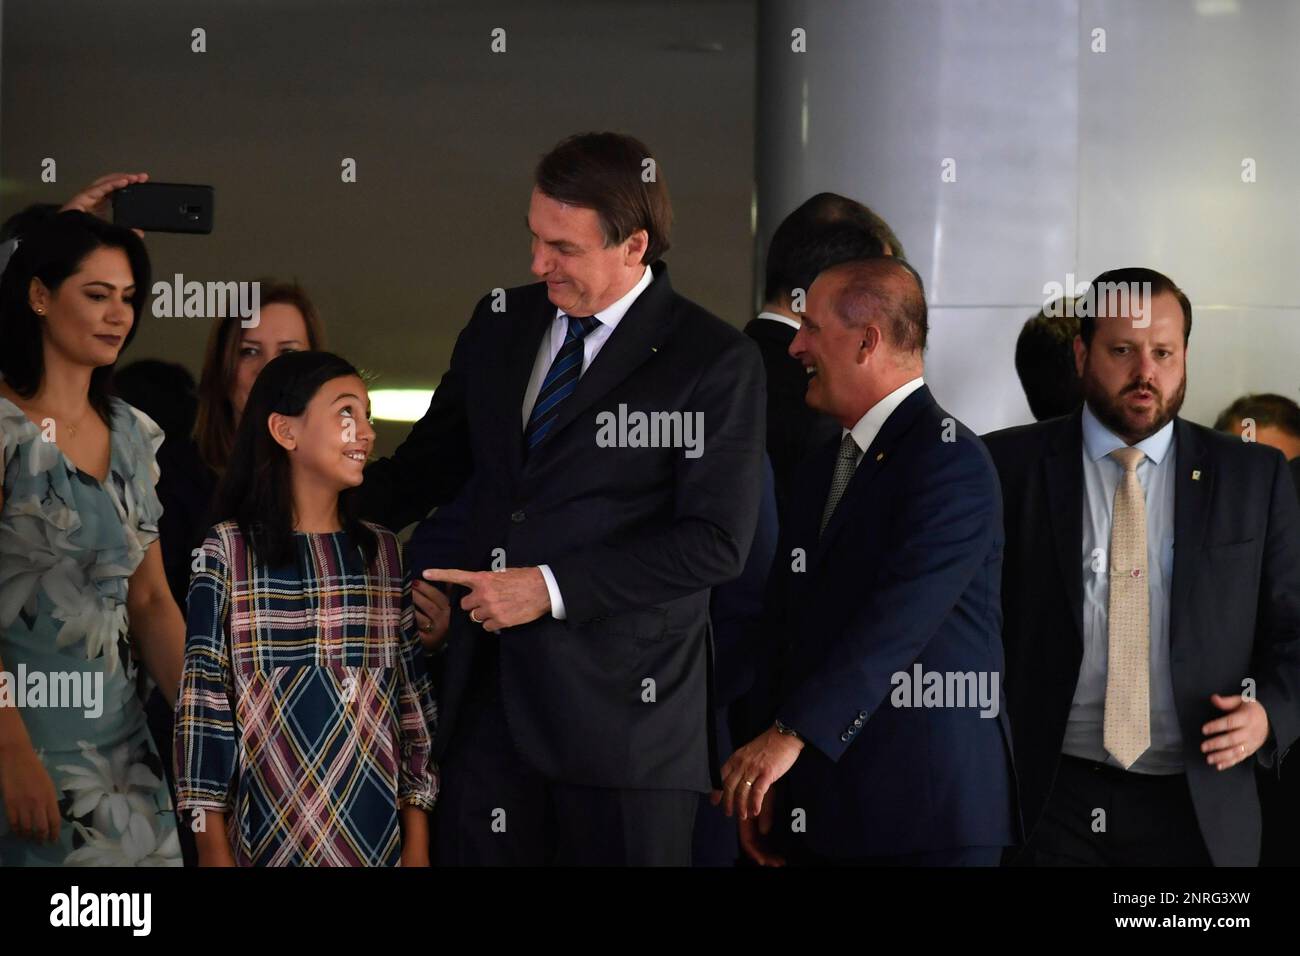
1277 637
435 460
716 506
736 608
944 533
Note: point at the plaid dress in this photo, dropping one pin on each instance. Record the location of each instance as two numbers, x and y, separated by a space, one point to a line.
305 711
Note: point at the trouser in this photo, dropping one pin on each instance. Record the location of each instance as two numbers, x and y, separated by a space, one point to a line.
1099 815
495 810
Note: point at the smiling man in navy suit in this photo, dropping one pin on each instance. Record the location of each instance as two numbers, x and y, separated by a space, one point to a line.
889 740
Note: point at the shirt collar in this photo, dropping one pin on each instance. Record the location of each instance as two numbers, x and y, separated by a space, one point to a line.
778 317
613 314
1099 441
869 425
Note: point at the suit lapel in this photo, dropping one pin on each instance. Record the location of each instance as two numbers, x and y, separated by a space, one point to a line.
875 459
645 326
1063 487
1192 497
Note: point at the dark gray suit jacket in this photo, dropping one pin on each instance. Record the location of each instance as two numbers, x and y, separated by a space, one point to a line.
635 536
1234 607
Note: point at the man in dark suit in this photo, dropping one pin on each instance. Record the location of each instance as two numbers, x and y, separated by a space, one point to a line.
890 738
1151 592
615 433
824 231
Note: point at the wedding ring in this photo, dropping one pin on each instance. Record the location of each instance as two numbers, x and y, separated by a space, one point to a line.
749 783
473 618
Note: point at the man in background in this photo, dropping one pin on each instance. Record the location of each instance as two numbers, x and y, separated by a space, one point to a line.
1045 361
824 231
1273 420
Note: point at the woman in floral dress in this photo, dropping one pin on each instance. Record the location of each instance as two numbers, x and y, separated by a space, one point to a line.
80 781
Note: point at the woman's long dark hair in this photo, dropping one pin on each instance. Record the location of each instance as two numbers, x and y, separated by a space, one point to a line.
51 249
256 490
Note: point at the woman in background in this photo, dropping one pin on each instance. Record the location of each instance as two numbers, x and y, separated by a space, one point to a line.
80 781
235 356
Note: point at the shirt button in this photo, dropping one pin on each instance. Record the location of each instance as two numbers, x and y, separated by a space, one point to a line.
517 517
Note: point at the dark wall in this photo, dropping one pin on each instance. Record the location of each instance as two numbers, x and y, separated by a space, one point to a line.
445 134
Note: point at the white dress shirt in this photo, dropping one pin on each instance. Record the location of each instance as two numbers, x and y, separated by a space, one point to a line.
869 425
778 317
1101 475
591 345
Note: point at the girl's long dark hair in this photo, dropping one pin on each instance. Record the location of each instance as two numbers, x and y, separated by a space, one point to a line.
256 490
51 248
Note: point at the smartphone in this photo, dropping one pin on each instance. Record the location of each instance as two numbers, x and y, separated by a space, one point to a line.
164 207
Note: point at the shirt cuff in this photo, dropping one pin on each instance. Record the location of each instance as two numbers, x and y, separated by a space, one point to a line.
553 589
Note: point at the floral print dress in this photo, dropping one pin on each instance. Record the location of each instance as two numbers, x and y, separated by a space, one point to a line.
68 544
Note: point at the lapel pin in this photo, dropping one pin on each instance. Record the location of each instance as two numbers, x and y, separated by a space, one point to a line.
1196 476
880 457
653 349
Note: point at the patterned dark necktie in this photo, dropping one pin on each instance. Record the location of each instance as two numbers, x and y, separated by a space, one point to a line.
845 465
561 379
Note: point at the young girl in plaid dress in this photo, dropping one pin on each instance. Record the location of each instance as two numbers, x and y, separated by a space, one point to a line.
305 713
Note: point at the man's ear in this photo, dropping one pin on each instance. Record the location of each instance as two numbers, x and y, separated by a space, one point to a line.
282 429
1080 354
637 243
868 344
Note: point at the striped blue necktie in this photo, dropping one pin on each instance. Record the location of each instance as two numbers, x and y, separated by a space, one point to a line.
561 379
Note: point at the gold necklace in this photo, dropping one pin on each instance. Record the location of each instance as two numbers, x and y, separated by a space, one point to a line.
72 428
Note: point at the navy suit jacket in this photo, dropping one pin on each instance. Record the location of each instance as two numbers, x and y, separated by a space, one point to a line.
907 573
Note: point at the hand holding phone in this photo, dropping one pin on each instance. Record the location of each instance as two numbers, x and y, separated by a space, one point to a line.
164 207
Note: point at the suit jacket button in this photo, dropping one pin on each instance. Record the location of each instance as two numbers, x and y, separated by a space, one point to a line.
862 715
844 737
858 722
517 517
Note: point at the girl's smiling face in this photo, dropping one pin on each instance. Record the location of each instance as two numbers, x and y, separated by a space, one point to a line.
332 438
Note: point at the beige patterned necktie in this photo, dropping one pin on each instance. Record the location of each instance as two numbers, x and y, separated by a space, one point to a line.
1126 730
